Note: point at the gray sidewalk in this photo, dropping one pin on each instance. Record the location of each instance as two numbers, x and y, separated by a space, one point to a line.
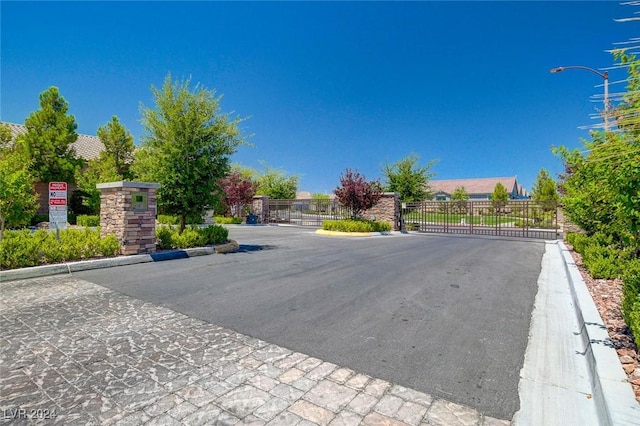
571 373
77 353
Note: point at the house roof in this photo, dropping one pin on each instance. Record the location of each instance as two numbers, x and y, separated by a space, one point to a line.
86 146
473 186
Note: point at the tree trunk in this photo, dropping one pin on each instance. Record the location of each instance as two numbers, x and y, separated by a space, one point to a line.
183 220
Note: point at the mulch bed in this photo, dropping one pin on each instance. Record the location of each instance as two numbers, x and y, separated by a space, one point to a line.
607 295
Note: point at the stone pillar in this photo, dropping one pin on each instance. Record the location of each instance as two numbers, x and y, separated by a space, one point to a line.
261 207
386 210
128 210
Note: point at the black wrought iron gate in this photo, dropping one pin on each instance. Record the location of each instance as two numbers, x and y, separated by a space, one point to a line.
515 218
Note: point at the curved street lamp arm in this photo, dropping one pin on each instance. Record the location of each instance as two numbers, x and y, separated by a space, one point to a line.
604 76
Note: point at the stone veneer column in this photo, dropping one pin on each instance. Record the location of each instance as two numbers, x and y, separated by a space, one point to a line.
261 207
386 210
133 224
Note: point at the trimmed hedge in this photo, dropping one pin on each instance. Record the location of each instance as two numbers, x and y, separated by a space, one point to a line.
603 260
19 249
168 237
166 219
349 225
221 220
631 298
88 220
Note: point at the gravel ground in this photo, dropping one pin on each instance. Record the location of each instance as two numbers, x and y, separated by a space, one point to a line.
607 294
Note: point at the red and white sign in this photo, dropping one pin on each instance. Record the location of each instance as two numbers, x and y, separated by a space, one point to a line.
58 205
57 201
58 186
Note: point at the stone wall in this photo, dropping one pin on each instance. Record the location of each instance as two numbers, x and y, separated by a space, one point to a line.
387 210
260 207
134 229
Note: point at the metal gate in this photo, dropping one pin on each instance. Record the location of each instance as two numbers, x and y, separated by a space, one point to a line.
515 218
305 212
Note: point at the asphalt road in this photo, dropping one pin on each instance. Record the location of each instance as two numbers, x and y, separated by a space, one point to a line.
447 315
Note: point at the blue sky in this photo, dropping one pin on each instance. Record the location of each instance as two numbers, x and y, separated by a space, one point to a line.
331 85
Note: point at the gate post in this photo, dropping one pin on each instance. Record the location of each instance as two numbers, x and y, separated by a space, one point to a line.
386 210
261 207
128 210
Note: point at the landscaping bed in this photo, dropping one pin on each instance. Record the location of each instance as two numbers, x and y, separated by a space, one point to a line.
607 295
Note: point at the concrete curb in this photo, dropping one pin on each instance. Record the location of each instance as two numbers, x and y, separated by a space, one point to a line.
613 395
84 265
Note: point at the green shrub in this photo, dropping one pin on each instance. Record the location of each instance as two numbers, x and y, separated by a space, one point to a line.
631 298
214 234
193 236
377 226
164 236
603 262
190 237
19 249
109 246
348 225
227 220
166 219
88 220
578 241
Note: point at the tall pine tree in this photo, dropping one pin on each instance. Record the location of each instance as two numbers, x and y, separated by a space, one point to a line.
49 138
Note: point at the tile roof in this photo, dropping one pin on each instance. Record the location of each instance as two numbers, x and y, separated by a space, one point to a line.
473 186
86 146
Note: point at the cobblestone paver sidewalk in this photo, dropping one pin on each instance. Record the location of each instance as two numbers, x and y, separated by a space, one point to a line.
72 352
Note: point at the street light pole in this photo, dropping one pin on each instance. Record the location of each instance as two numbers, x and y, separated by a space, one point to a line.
604 76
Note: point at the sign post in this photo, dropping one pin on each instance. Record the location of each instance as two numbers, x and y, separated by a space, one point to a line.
58 206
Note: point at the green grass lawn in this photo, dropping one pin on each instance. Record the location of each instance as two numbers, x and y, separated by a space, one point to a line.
456 218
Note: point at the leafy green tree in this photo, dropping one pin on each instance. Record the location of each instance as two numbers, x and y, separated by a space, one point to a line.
6 140
545 191
99 170
18 201
599 189
113 164
460 196
407 178
276 184
118 145
186 147
49 138
499 196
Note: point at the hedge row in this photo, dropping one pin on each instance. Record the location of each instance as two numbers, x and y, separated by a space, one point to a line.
168 237
355 226
631 298
165 219
88 220
19 249
221 220
603 260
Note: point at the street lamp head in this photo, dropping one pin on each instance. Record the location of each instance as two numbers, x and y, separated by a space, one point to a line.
555 70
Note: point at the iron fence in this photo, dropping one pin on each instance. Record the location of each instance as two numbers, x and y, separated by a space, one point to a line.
305 212
514 218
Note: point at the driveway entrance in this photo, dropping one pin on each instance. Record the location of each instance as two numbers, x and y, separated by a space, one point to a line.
447 315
